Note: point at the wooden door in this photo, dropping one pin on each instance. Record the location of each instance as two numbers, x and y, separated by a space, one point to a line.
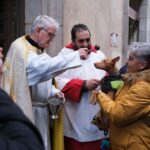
12 20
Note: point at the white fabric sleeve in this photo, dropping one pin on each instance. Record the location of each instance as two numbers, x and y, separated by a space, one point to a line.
42 67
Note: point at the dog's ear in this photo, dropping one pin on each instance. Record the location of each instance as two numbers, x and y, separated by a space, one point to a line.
116 59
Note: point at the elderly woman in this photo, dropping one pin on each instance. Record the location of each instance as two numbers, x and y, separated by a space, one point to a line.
129 113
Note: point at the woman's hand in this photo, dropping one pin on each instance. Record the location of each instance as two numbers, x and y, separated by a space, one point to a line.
94 97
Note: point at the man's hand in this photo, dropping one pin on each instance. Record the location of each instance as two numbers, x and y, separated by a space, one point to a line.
83 52
92 84
60 95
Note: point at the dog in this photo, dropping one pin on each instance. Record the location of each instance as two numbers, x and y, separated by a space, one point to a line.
108 65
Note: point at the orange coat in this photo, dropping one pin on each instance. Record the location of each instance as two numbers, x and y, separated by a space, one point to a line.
129 114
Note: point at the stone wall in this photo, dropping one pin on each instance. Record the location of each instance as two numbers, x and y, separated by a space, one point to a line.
144 17
102 16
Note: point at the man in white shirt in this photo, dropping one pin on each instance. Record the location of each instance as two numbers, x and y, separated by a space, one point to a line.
77 85
27 65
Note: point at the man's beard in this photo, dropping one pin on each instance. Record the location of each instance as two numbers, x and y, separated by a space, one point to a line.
76 47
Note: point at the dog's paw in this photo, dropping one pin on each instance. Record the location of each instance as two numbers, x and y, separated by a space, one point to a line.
101 121
93 97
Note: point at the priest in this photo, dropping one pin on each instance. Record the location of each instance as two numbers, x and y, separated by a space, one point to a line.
29 70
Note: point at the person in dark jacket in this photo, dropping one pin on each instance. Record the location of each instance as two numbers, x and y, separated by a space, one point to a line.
16 131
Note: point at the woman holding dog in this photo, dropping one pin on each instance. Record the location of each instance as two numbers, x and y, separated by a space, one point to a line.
129 113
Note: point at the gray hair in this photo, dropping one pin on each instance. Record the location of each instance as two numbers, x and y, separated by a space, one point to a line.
141 51
44 21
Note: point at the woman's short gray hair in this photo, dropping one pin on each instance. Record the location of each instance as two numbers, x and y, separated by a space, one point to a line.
141 50
44 21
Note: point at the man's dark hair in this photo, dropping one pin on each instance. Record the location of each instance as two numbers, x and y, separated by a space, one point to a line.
78 28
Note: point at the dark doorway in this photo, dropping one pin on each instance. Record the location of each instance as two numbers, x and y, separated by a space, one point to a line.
12 18
134 23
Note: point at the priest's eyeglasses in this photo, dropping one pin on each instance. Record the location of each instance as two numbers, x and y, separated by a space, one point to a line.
50 34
